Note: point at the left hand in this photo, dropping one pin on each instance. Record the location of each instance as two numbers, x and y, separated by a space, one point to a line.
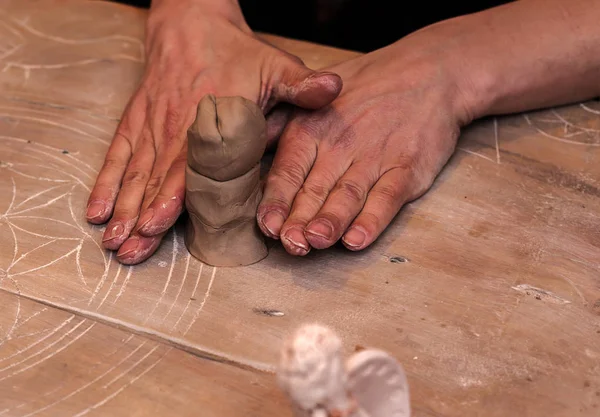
345 171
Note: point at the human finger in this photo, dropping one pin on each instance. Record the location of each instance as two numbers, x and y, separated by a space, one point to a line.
326 171
168 203
102 199
293 160
138 248
130 197
344 203
383 202
277 120
304 87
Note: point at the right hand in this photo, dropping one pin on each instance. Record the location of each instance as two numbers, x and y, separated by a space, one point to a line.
193 47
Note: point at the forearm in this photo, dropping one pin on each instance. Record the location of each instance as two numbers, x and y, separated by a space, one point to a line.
525 55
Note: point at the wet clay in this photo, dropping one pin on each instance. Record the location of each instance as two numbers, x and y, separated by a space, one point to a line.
225 146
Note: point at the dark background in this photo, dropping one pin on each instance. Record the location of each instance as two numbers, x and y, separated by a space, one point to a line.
361 25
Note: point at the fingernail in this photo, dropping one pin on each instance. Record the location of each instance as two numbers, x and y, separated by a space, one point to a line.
115 231
321 228
146 217
294 238
129 246
272 221
354 237
95 209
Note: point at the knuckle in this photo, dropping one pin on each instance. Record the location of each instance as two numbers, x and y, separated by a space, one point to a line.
290 173
125 214
346 139
369 222
131 122
314 191
135 177
351 190
154 183
407 161
112 163
124 133
305 126
179 163
388 193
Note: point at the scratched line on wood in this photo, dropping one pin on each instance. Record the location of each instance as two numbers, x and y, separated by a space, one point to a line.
571 133
589 109
47 122
39 341
51 354
59 39
121 389
192 298
56 188
496 140
169 276
176 298
475 154
25 207
98 378
203 302
26 34
48 191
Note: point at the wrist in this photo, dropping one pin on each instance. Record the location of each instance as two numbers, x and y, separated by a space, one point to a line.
163 10
447 47
458 52
435 54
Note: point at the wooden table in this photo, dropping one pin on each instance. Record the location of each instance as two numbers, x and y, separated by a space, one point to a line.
487 289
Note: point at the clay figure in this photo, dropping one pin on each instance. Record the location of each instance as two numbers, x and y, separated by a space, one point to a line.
223 190
319 383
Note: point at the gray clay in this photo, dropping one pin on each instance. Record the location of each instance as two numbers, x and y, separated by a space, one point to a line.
225 145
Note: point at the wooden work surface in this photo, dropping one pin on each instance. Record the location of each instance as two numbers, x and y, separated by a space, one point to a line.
487 289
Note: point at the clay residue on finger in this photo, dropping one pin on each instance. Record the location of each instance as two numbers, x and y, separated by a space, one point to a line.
228 137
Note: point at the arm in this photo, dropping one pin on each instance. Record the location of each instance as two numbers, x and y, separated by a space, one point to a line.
344 172
525 55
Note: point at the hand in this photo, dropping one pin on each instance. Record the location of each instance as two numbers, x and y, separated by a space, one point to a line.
193 47
346 170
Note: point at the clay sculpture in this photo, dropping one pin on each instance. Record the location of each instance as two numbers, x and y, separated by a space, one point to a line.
223 190
313 374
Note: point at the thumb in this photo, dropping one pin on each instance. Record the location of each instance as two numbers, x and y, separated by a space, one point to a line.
306 88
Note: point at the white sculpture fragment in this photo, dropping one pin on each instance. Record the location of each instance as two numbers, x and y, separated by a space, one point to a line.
319 383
